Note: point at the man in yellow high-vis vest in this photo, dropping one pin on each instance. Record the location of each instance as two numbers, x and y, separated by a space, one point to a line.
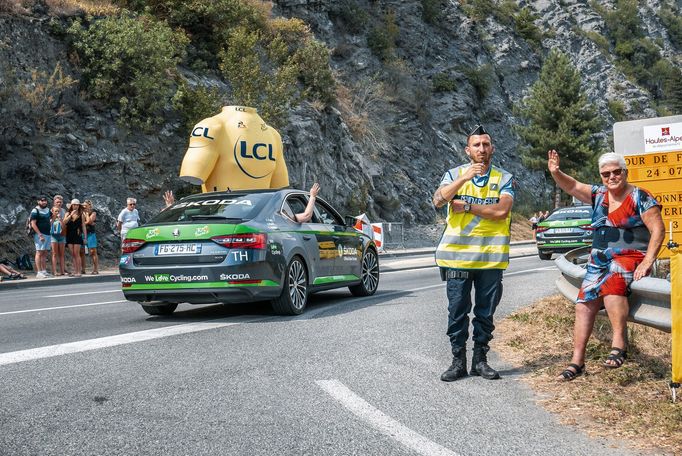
474 251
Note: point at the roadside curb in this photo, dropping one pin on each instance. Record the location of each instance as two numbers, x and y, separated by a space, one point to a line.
36 283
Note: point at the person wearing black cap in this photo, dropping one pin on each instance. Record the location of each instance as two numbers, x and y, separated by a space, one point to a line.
474 250
40 223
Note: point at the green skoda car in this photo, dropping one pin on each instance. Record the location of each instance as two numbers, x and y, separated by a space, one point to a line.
234 247
565 229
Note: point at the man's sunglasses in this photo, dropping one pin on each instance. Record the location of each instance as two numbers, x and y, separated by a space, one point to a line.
615 172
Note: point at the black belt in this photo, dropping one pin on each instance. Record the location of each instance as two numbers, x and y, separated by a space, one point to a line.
446 273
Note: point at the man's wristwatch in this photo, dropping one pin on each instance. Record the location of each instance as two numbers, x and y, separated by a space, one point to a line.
467 207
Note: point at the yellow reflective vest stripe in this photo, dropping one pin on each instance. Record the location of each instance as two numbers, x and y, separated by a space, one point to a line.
470 241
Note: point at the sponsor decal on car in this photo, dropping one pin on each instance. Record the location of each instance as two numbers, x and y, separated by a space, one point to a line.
125 260
152 233
214 202
347 253
235 277
128 280
275 249
173 278
202 230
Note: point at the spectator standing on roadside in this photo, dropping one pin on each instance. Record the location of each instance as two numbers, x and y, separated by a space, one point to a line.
128 219
534 220
59 240
74 222
543 216
474 251
40 223
91 241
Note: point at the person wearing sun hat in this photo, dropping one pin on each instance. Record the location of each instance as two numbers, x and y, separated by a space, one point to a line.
474 250
76 231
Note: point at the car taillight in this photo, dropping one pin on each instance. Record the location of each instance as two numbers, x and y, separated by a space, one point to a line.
131 245
587 227
242 241
541 229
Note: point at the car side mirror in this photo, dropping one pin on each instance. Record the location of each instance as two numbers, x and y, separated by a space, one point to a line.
349 220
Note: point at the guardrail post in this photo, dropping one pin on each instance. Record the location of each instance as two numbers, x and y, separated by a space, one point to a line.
676 316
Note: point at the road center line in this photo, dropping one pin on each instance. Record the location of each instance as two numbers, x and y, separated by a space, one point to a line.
382 422
110 341
118 290
61 307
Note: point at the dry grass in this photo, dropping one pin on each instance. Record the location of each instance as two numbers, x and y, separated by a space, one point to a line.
71 7
361 108
632 403
521 228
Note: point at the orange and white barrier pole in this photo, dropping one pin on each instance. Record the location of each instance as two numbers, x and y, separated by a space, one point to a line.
378 234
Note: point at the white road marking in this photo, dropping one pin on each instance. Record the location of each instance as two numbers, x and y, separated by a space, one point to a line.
81 294
382 422
110 341
62 307
548 268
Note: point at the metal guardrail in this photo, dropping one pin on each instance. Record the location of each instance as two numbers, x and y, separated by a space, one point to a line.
649 301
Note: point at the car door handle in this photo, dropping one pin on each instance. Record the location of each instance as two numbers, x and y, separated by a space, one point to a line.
307 238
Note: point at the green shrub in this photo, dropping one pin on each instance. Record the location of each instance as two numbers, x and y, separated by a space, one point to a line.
478 10
526 28
432 10
617 110
673 23
207 22
381 38
442 82
196 103
313 64
129 62
353 15
269 89
479 78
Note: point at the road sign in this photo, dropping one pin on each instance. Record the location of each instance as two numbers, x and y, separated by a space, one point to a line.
653 153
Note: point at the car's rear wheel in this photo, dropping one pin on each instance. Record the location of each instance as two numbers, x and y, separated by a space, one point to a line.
545 255
160 309
294 296
370 275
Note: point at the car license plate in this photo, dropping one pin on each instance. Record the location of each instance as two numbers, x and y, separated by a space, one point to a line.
177 249
563 230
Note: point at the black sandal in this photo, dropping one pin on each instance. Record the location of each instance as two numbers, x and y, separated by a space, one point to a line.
618 356
567 375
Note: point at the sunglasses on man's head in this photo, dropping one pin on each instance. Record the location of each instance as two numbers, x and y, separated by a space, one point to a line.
615 172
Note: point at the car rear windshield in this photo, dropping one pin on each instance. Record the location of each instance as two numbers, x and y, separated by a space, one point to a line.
232 208
574 213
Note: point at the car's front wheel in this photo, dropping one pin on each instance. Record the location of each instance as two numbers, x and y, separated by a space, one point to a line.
370 275
294 296
160 309
545 255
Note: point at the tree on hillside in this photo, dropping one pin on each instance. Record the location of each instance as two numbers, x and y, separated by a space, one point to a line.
558 116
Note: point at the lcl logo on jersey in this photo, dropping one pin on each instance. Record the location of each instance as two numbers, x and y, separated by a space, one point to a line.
253 159
201 131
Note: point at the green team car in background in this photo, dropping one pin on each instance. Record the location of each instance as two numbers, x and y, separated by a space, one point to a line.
565 229
234 247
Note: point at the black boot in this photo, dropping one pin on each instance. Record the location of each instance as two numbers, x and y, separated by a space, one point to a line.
479 363
458 368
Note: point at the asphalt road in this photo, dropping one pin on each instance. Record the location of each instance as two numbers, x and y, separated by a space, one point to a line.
86 373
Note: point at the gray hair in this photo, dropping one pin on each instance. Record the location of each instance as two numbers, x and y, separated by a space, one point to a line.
131 200
612 157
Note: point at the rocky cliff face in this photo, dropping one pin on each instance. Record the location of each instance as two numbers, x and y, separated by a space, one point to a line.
381 148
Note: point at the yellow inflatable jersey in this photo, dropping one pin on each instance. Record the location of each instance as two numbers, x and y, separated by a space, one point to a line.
234 150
